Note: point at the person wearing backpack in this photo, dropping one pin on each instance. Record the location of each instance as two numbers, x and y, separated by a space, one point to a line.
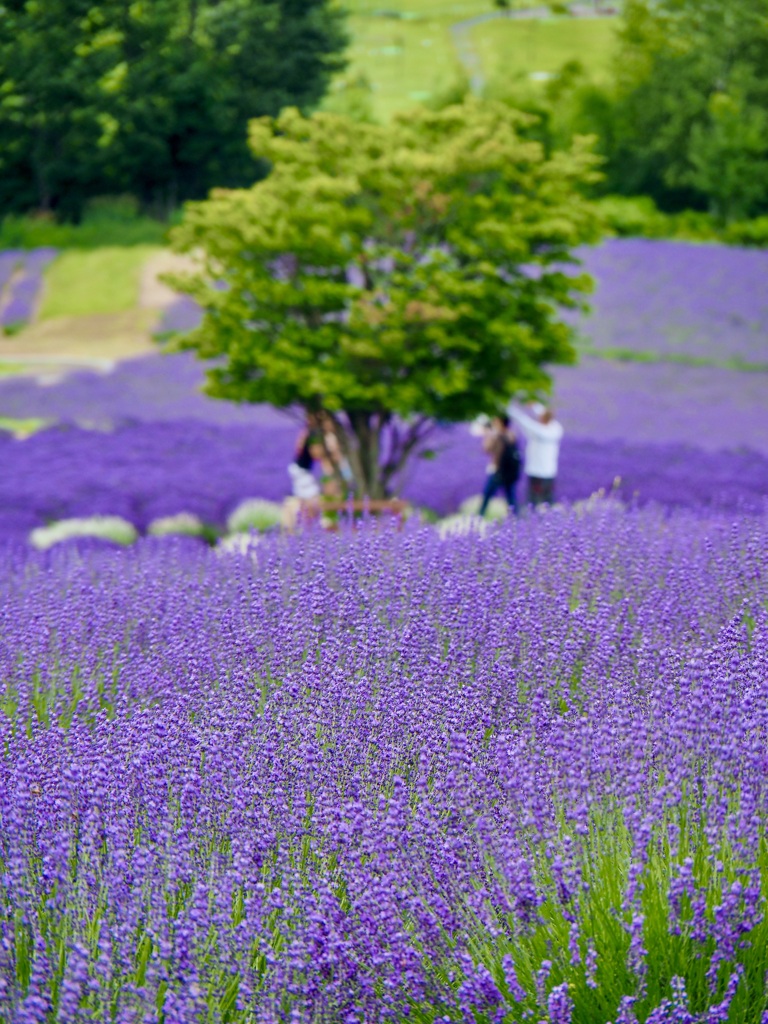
500 443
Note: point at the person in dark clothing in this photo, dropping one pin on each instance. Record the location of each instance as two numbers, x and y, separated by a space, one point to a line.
304 458
500 442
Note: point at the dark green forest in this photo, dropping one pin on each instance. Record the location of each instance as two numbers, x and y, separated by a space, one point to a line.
684 119
150 98
153 99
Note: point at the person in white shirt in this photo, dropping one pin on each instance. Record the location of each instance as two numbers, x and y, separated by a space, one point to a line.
543 435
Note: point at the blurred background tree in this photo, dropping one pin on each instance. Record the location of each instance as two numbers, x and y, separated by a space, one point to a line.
682 117
685 120
149 98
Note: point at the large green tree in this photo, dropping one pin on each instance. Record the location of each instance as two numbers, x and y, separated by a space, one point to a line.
391 276
150 98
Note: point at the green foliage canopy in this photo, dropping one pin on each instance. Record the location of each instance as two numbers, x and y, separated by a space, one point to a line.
684 117
149 98
689 120
391 276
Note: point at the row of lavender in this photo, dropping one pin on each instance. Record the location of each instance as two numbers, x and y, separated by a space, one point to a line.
656 298
144 471
355 781
679 299
702 406
682 436
21 279
653 297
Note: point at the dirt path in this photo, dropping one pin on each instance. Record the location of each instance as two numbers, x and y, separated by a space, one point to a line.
97 340
153 293
461 32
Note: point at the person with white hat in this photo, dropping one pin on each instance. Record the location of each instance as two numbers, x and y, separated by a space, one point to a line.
543 434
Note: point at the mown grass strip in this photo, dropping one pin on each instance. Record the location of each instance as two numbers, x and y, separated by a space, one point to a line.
84 282
630 355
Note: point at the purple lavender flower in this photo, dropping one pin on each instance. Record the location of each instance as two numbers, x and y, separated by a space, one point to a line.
591 965
573 945
560 1005
330 779
510 974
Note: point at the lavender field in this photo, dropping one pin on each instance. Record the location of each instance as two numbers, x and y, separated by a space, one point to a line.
350 777
142 441
506 776
675 300
679 299
144 471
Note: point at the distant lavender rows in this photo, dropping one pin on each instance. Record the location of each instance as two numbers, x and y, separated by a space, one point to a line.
21 275
670 298
679 298
707 407
662 427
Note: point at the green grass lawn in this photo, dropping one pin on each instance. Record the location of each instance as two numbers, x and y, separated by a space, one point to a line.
411 10
8 369
22 428
405 61
83 282
526 48
405 50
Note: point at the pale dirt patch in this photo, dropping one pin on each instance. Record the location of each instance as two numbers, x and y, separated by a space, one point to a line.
10 284
155 294
97 339
49 371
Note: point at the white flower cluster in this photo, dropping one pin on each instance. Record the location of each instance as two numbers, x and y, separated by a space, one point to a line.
255 514
183 524
112 528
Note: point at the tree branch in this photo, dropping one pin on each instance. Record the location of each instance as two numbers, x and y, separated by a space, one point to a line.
411 439
351 454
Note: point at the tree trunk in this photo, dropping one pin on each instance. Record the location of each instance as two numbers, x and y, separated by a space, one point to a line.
349 450
403 446
360 440
367 431
40 171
